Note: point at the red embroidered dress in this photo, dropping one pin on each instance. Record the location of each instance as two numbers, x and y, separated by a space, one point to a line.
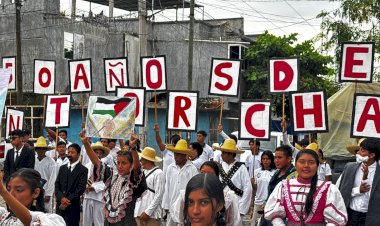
287 204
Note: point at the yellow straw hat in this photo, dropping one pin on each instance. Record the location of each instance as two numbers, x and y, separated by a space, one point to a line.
180 148
299 147
98 145
41 143
353 148
149 154
312 146
229 145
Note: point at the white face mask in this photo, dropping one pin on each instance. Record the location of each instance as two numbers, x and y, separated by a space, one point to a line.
361 159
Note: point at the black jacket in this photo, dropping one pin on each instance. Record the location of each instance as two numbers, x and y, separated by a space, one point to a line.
25 160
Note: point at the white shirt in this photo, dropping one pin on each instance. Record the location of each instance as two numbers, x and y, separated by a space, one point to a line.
262 179
253 162
242 181
60 162
17 152
72 165
359 201
99 186
199 161
176 178
150 202
323 171
208 152
167 159
48 170
38 218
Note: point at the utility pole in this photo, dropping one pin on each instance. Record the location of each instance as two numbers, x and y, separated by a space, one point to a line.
73 9
18 52
143 39
191 47
111 5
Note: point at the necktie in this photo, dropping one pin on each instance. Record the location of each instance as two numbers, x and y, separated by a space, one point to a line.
16 155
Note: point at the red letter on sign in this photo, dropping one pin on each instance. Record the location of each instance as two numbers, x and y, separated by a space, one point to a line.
137 102
80 68
149 82
9 65
12 125
179 110
218 72
316 111
371 103
58 102
351 62
248 120
279 66
42 72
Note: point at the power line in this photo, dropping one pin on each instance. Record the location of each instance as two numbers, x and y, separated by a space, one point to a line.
300 15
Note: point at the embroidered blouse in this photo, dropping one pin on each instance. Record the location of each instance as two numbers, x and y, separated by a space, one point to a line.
38 219
288 201
121 192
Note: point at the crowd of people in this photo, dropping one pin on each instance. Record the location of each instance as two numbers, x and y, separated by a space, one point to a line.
51 181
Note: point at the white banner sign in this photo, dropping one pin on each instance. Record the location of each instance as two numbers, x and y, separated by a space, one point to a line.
366 116
4 78
153 72
80 75
116 73
139 95
10 63
44 76
283 75
15 120
57 111
255 120
182 111
224 78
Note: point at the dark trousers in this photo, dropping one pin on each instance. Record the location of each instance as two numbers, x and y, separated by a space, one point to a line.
355 218
71 214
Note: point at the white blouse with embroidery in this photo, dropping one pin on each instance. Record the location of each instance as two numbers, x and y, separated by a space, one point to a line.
38 219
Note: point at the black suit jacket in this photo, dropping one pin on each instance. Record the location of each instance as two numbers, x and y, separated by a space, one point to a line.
25 160
71 184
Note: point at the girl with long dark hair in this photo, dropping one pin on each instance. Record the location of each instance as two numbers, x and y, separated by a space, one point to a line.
204 199
306 200
262 177
24 196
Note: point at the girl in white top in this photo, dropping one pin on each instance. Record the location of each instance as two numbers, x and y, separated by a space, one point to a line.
25 197
324 170
262 177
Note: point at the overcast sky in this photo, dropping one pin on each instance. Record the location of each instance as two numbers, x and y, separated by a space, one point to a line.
278 16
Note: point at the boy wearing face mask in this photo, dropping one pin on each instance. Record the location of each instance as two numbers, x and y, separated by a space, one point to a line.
359 185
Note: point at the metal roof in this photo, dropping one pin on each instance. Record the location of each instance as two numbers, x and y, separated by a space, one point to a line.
132 5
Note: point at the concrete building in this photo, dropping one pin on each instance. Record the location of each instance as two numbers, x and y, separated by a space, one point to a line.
47 34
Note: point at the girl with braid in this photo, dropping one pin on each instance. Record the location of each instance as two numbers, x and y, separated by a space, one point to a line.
306 200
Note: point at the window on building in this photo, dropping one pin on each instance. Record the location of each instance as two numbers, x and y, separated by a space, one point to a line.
69 45
238 51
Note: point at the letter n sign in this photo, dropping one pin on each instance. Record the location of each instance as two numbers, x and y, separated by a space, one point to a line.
153 73
255 120
309 111
283 75
366 116
15 120
224 77
182 111
57 111
357 62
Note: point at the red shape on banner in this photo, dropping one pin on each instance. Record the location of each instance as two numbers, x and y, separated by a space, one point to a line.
12 125
316 111
83 76
351 62
282 66
218 72
113 75
58 101
248 120
42 72
366 116
9 65
137 102
2 151
179 110
149 82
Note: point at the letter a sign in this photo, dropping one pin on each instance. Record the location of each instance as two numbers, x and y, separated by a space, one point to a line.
182 111
366 116
44 76
224 77
357 62
283 75
255 120
309 111
57 111
153 72
80 76
15 120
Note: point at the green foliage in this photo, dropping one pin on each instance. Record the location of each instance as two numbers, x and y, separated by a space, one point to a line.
355 20
315 72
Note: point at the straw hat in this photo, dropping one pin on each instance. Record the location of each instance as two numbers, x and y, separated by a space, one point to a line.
149 154
299 147
98 145
41 143
180 148
313 146
352 148
229 145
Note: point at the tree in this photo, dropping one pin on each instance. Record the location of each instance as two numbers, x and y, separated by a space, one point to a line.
315 72
354 20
